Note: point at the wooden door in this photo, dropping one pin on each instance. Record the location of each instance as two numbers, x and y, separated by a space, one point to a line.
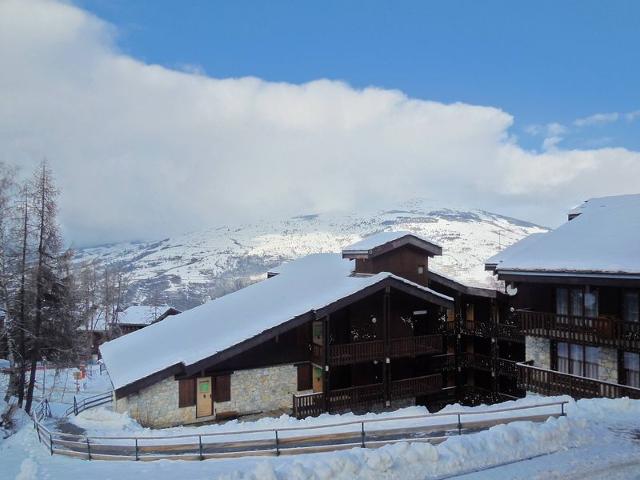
204 403
317 379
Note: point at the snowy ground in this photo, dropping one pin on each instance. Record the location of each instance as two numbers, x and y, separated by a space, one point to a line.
597 439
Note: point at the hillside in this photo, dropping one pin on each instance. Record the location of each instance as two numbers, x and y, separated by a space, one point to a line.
187 269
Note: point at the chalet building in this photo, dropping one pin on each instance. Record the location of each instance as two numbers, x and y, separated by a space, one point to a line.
370 328
576 299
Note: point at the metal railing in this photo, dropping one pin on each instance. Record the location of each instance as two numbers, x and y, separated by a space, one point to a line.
290 440
88 402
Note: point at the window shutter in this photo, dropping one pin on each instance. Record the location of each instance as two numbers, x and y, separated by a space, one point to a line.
304 377
186 392
222 388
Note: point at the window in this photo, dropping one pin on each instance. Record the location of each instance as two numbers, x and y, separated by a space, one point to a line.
318 333
576 302
563 357
577 359
222 388
591 362
420 269
562 301
631 306
304 377
186 392
632 369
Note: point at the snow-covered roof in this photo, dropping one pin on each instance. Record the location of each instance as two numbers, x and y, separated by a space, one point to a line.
372 242
603 239
459 284
141 314
303 286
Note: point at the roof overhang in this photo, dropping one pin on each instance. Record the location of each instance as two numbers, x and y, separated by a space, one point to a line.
571 277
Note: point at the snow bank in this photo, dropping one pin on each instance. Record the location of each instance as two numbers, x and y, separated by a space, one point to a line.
587 437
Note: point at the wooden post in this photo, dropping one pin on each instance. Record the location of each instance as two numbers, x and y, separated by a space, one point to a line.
459 425
386 373
325 370
50 444
88 448
362 434
137 457
200 446
277 443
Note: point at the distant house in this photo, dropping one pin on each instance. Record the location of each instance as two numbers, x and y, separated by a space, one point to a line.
136 317
129 320
362 330
576 296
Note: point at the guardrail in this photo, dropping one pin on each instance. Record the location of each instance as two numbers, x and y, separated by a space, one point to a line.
290 440
89 402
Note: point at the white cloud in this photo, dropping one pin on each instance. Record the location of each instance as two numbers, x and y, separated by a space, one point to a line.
631 116
142 151
597 119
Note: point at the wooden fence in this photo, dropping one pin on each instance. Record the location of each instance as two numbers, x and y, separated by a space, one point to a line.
291 440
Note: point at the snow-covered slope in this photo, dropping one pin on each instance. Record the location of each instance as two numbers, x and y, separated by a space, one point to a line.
190 268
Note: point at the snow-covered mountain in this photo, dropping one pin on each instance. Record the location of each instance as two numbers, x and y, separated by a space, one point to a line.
186 270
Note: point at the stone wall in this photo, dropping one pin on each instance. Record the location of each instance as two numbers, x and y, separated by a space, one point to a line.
268 389
608 368
261 390
157 406
538 350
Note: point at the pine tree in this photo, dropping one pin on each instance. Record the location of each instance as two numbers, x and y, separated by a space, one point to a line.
48 242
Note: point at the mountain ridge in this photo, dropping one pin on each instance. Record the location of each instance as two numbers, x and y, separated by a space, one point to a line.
186 270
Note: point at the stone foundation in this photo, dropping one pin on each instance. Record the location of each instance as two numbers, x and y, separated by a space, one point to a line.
258 390
538 350
261 390
157 406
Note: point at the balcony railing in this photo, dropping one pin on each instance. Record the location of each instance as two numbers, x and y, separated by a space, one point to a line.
412 346
506 367
357 352
484 328
603 330
478 328
346 353
415 387
550 382
447 363
364 397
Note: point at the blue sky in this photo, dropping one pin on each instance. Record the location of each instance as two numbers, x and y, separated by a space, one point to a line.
543 62
163 117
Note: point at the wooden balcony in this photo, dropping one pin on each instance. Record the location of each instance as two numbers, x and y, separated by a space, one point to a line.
506 367
412 346
448 363
416 387
509 331
366 397
358 352
478 328
602 331
347 353
550 382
